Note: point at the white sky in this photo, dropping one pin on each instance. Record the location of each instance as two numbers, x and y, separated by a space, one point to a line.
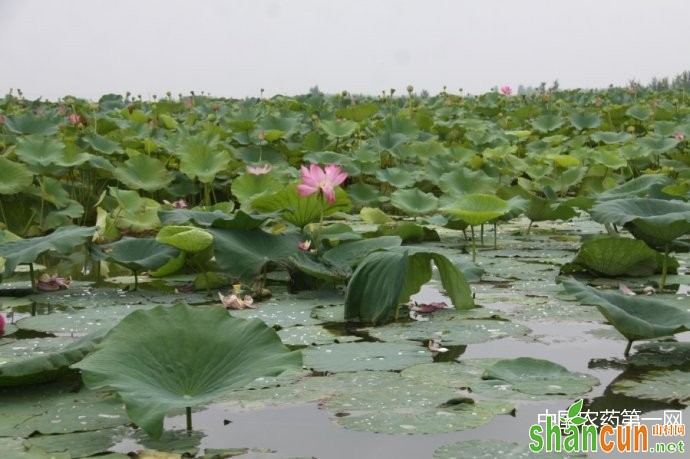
232 48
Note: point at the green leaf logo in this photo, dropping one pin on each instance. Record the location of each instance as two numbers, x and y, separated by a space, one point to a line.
574 413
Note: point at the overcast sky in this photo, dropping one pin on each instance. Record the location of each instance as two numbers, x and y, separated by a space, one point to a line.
233 48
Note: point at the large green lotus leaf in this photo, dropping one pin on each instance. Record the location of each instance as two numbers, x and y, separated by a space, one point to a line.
365 356
639 112
395 131
657 145
249 186
63 240
290 310
476 209
610 137
663 385
365 194
359 112
102 144
137 254
14 177
171 267
134 213
143 172
243 253
365 299
374 216
644 185
42 153
410 406
31 361
57 408
181 356
201 161
617 256
547 123
338 129
491 449
635 318
609 158
301 210
29 123
312 335
538 377
277 127
79 321
463 181
309 264
661 354
655 221
396 176
187 238
585 120
84 297
413 201
453 331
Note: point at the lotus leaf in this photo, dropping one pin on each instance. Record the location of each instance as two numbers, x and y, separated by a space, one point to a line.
181 356
14 177
200 159
489 449
77 444
137 254
350 357
538 377
338 129
635 318
216 218
81 321
31 361
585 120
663 385
547 123
244 253
248 186
63 240
616 256
476 209
414 201
29 123
657 145
610 137
143 172
365 194
644 185
102 144
187 238
398 177
301 210
358 112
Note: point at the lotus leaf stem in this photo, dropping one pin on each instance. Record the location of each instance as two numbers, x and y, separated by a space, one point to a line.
627 348
474 244
189 418
33 278
664 267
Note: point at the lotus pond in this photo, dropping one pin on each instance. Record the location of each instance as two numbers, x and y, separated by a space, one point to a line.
339 276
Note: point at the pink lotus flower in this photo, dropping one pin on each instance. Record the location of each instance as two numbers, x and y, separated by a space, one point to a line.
179 204
74 118
233 301
679 136
507 90
315 180
259 170
304 245
48 283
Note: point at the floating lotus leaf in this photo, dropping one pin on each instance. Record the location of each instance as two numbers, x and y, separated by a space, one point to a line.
635 318
31 361
181 356
661 354
143 172
452 331
312 335
476 209
365 356
414 201
81 321
289 310
187 238
411 406
616 256
663 385
77 444
585 120
656 221
57 408
63 240
538 377
14 177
